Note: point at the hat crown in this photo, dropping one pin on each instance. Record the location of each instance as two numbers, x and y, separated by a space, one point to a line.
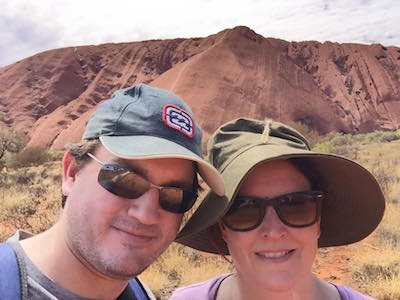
141 110
236 137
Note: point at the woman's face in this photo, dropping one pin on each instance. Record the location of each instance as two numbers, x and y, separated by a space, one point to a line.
274 255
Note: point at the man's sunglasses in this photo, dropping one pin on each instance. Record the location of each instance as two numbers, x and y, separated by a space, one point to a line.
127 184
298 209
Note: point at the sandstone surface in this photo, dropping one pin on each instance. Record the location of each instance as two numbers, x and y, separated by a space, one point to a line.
236 72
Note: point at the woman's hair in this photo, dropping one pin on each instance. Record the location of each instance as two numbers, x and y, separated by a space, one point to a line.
306 168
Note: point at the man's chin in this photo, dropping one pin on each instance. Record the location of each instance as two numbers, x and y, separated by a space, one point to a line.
121 271
124 267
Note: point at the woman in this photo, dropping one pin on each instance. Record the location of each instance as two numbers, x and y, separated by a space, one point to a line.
282 202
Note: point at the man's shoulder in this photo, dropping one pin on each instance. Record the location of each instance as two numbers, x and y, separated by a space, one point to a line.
199 291
19 235
7 257
140 289
9 275
347 293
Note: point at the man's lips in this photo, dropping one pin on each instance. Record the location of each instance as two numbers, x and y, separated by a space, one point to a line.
136 234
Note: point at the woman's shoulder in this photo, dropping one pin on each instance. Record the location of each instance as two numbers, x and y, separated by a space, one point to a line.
205 290
347 293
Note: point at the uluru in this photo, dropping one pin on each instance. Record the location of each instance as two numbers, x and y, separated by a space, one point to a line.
236 72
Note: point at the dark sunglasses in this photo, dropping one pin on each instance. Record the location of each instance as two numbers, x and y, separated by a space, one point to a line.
300 209
127 184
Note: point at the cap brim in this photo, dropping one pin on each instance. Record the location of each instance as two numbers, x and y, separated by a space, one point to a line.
150 147
353 204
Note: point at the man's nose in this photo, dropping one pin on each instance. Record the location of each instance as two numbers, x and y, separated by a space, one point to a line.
146 208
271 226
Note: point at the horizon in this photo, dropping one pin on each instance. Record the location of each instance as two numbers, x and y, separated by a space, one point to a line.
52 25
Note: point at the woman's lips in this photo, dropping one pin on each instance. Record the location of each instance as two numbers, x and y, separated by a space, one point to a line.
276 256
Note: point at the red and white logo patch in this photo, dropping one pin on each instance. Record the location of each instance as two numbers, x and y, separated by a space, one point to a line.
178 119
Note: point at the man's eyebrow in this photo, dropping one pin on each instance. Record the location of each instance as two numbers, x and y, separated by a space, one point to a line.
145 174
123 163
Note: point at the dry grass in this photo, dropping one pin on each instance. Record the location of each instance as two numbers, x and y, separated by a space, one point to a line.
30 199
376 260
180 266
376 268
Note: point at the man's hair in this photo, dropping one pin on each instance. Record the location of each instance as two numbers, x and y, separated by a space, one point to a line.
79 152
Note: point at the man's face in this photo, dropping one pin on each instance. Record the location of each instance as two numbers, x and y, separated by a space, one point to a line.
120 237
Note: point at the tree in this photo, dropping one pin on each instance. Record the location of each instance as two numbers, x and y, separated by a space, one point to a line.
11 140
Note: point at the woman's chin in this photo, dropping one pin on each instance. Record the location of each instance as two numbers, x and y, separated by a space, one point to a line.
279 284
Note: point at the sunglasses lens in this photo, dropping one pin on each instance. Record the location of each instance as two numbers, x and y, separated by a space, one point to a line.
127 184
298 210
295 210
122 183
245 214
176 200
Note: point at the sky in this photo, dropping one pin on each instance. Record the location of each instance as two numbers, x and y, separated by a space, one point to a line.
28 27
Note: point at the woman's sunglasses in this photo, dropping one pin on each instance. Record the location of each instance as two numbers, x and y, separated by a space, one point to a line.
127 184
298 209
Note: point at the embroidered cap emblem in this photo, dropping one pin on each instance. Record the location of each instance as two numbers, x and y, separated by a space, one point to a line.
178 119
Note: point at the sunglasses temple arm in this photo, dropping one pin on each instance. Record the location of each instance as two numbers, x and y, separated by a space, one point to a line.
95 158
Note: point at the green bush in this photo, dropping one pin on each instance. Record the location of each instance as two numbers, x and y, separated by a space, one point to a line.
342 144
28 157
381 136
11 141
312 136
55 155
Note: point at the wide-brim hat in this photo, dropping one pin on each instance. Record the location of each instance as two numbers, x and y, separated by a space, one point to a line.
144 122
353 203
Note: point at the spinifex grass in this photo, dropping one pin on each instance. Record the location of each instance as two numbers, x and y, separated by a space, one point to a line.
30 199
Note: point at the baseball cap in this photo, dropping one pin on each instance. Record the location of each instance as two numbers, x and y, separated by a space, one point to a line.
145 122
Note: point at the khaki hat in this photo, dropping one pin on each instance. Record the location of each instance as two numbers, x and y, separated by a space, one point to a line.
353 202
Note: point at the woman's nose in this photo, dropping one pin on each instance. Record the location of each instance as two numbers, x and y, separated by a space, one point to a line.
271 226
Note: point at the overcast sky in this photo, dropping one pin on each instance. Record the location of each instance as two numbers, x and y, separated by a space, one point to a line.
31 26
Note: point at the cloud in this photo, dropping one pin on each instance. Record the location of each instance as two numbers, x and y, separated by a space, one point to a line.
22 35
27 27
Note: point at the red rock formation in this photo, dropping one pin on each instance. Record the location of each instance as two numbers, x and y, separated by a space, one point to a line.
329 86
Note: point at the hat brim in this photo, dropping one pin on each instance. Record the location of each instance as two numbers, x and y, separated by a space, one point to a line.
151 147
352 208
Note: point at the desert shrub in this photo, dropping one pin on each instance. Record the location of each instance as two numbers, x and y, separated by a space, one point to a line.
380 137
55 155
179 266
11 141
29 198
377 272
341 144
389 237
29 156
383 176
312 136
349 144
16 210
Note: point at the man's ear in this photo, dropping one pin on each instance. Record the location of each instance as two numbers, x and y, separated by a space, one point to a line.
70 169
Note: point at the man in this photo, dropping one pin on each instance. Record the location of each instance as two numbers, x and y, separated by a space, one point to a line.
126 186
